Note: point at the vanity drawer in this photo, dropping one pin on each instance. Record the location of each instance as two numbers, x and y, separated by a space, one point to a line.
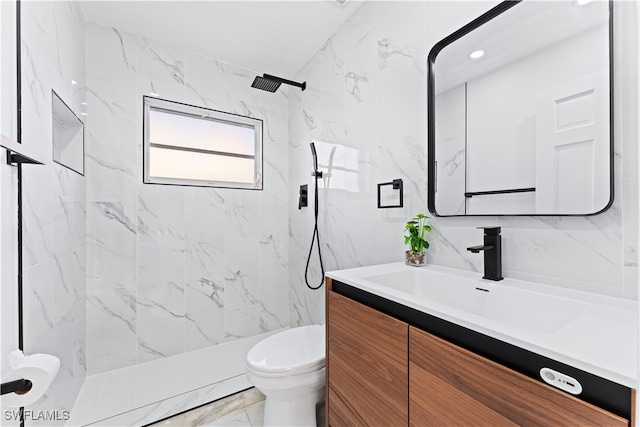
452 386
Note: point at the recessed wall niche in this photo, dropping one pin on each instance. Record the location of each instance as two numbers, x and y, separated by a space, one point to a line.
68 136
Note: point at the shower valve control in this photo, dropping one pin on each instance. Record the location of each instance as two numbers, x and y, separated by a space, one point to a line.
561 381
302 197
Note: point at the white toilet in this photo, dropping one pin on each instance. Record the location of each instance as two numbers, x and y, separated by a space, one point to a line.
288 368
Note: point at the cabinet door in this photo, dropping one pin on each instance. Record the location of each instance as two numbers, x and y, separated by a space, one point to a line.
367 366
452 386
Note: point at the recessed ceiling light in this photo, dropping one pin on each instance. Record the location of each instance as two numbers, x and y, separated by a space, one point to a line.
83 114
73 82
583 2
476 54
154 94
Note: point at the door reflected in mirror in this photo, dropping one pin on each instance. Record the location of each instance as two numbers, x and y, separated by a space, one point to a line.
520 111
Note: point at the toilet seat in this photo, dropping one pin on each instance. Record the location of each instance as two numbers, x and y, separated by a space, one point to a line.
295 351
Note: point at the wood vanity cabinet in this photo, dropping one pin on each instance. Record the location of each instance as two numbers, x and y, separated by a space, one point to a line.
367 355
449 386
383 372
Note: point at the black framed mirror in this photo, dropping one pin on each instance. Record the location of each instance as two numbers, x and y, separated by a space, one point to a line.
520 112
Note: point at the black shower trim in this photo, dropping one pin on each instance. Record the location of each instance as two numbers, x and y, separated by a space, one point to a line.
599 391
19 165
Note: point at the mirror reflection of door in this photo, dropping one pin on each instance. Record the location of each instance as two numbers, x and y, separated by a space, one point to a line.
535 76
572 150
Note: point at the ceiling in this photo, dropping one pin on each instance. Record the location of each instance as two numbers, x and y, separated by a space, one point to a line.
519 32
273 37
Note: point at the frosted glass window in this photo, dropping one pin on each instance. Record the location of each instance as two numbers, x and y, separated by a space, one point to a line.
188 145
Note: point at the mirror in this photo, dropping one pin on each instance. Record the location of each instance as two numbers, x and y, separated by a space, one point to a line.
68 136
520 111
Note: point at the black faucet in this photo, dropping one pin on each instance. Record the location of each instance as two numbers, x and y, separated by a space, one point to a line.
492 253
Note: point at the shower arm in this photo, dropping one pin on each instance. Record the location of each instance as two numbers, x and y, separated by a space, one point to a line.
302 85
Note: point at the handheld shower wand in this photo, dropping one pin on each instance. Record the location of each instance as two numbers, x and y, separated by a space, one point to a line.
316 236
315 160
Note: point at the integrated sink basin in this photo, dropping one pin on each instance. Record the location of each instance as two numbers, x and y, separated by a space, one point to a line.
533 311
589 331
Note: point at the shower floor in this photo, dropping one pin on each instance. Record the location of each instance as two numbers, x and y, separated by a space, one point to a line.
152 391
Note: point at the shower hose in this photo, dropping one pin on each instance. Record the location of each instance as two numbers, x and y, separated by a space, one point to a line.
315 238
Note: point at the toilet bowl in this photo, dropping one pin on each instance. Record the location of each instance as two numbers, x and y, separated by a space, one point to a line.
288 368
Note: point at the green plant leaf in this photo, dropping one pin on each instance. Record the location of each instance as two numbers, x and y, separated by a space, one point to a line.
417 229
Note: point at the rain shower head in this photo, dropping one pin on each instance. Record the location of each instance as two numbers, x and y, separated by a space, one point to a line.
272 83
263 83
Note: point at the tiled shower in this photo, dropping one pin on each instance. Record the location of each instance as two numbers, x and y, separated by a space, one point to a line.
173 269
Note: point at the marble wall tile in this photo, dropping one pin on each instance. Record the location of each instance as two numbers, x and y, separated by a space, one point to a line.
111 245
38 214
401 69
190 258
54 213
160 338
38 308
242 214
68 77
36 64
241 322
63 348
160 287
161 216
204 233
360 239
276 175
111 329
158 61
380 54
204 313
200 88
242 282
274 299
80 337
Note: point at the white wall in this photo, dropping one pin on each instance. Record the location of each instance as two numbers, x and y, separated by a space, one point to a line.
53 199
171 268
366 96
451 134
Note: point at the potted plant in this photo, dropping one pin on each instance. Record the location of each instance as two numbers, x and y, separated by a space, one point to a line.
417 229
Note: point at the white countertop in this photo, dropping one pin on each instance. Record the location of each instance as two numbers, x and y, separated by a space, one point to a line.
597 334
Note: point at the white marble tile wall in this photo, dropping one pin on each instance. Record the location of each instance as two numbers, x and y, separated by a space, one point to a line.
366 102
173 269
54 216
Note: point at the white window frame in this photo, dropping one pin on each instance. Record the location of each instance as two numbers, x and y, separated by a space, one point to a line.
201 113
